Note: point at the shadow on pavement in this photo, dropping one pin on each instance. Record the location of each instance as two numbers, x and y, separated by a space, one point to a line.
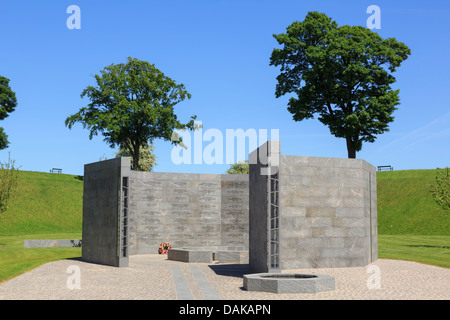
230 270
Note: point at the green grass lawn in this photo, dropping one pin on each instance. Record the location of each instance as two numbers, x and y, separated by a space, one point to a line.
15 259
47 206
411 226
433 250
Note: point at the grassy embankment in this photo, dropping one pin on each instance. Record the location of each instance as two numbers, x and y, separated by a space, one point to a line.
47 206
411 226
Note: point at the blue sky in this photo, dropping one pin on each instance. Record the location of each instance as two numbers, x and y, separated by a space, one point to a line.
220 50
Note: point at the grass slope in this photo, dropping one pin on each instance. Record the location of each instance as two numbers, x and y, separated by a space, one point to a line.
47 206
45 203
411 226
406 205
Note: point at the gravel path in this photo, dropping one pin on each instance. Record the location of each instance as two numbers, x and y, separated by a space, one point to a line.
153 277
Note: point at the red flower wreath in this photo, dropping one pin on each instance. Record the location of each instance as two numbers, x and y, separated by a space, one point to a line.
164 247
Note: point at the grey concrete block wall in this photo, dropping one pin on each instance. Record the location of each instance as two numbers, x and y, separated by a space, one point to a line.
258 208
288 283
329 215
234 210
182 209
328 212
187 210
103 212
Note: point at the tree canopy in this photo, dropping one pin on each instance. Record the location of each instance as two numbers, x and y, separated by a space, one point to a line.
8 103
131 106
147 159
241 167
343 74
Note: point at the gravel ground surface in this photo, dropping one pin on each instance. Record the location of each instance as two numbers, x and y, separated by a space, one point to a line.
153 277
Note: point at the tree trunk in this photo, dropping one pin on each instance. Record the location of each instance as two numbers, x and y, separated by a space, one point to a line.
350 148
136 166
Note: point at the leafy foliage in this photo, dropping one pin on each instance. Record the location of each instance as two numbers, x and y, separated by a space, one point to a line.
342 74
147 159
441 191
131 106
8 103
242 167
8 183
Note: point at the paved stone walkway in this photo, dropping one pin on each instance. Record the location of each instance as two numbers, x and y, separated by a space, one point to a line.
153 277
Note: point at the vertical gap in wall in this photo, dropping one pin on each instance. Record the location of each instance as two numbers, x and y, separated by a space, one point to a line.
124 223
370 216
274 222
119 209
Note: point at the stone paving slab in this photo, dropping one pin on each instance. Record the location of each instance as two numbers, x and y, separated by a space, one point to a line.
152 277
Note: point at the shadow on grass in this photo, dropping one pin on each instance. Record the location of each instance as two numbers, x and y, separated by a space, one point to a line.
426 246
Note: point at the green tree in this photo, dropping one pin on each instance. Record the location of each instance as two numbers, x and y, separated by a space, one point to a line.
8 103
9 175
131 106
242 167
441 191
343 74
147 159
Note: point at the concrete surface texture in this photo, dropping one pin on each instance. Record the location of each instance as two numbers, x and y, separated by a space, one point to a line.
259 208
310 212
103 220
220 254
187 210
288 282
51 243
329 212
153 277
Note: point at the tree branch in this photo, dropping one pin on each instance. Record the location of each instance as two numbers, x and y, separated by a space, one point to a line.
329 109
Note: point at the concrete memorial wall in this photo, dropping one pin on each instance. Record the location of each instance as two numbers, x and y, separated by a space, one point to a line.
187 209
103 235
127 212
288 212
327 212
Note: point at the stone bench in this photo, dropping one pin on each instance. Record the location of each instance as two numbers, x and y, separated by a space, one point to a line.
51 243
221 254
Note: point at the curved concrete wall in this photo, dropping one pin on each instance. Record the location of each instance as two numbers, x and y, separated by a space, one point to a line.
328 212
